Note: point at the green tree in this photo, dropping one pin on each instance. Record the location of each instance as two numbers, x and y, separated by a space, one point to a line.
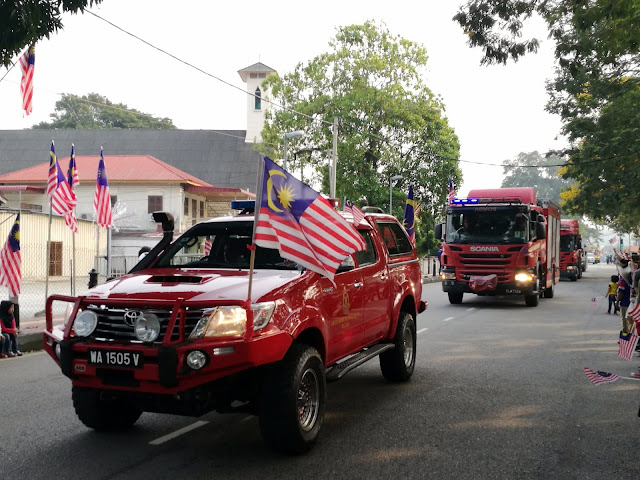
392 124
24 22
535 170
94 111
595 90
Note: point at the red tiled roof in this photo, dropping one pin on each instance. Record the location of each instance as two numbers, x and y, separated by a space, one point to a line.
120 169
21 188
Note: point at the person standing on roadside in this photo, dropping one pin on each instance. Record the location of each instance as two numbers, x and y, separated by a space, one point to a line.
624 295
612 291
9 327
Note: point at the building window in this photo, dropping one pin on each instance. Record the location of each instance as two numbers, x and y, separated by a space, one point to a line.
253 75
31 206
194 211
186 206
262 75
114 199
55 259
258 99
201 209
154 203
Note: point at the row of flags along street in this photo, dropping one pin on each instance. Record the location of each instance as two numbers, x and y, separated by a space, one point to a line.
62 200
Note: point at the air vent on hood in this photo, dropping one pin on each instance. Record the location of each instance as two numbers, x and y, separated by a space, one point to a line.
174 279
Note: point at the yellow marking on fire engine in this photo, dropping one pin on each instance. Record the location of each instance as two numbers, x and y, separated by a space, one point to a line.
177 433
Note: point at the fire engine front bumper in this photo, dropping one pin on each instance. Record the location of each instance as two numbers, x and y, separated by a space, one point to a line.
510 288
571 271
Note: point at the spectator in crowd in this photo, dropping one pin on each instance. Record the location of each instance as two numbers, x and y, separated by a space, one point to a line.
612 291
624 294
4 341
9 327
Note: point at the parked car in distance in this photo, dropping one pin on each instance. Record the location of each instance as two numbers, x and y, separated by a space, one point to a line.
591 258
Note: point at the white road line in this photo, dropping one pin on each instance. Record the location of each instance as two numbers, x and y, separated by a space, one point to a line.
471 309
422 330
177 433
448 318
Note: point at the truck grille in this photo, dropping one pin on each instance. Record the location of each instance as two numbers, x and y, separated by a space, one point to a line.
487 264
113 327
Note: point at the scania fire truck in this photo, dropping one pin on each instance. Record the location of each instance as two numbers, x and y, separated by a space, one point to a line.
500 241
572 255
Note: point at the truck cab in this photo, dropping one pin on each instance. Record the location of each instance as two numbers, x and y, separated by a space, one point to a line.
572 259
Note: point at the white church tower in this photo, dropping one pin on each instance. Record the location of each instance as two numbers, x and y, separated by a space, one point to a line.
253 76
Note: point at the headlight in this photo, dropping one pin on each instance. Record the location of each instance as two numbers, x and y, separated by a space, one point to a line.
262 314
147 327
524 277
448 275
85 323
221 322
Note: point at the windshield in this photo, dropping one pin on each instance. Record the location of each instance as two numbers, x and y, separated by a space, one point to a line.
220 245
489 225
568 243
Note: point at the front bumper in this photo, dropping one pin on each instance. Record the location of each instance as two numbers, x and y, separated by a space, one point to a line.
508 288
571 271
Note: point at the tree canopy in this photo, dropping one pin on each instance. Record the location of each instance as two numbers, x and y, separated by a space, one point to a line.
94 111
391 123
24 22
595 90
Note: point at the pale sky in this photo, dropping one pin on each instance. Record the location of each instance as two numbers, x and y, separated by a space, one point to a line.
496 111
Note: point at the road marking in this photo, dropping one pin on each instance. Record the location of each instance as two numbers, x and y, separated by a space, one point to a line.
422 330
177 433
448 318
471 309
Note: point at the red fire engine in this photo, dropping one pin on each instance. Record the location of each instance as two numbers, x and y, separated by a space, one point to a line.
572 256
500 241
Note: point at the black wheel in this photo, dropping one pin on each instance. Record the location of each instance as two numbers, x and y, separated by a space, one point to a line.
102 413
397 365
455 298
293 401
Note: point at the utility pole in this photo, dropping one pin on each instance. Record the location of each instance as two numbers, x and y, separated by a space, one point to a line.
334 160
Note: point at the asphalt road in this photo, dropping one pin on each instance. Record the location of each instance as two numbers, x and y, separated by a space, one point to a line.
499 392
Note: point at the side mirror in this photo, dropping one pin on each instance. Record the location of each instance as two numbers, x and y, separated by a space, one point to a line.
540 231
541 219
437 231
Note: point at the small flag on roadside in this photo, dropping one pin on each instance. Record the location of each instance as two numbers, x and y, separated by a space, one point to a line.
452 192
11 262
634 313
627 345
356 213
27 65
207 245
102 198
594 302
52 179
72 179
409 216
598 377
613 240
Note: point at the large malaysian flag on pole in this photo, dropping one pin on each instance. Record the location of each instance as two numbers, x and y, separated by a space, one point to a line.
102 198
72 179
11 262
27 65
301 224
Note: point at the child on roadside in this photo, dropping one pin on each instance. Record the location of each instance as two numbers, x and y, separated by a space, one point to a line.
612 290
4 341
9 327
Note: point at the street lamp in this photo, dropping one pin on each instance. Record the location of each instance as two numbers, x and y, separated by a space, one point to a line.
288 135
391 180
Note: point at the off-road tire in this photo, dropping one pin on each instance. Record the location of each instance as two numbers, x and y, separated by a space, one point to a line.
293 401
455 298
103 414
397 365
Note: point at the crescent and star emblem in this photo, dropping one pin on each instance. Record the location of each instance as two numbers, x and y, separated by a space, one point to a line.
285 193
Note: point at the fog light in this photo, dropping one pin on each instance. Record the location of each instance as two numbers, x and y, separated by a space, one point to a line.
196 360
448 275
524 277
147 327
57 349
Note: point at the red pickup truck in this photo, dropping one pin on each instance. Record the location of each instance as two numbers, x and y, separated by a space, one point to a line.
180 335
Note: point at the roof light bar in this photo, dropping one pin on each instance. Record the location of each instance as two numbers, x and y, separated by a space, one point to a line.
464 201
243 205
474 201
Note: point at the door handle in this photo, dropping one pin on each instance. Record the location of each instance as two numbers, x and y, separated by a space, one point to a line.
358 284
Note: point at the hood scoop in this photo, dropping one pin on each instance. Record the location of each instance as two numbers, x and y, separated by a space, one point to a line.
174 279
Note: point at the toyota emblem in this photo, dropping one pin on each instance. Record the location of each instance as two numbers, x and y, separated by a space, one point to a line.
130 317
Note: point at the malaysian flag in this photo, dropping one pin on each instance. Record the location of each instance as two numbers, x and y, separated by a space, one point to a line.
301 224
10 261
409 216
627 344
357 215
600 377
452 192
52 179
27 63
634 313
207 245
613 240
102 198
62 197
72 179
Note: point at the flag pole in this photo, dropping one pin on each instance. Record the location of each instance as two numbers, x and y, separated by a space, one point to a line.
256 211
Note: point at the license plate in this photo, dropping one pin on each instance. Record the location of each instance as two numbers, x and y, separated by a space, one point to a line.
115 358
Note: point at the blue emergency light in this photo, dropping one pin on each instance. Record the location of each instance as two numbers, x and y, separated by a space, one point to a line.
243 205
465 201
